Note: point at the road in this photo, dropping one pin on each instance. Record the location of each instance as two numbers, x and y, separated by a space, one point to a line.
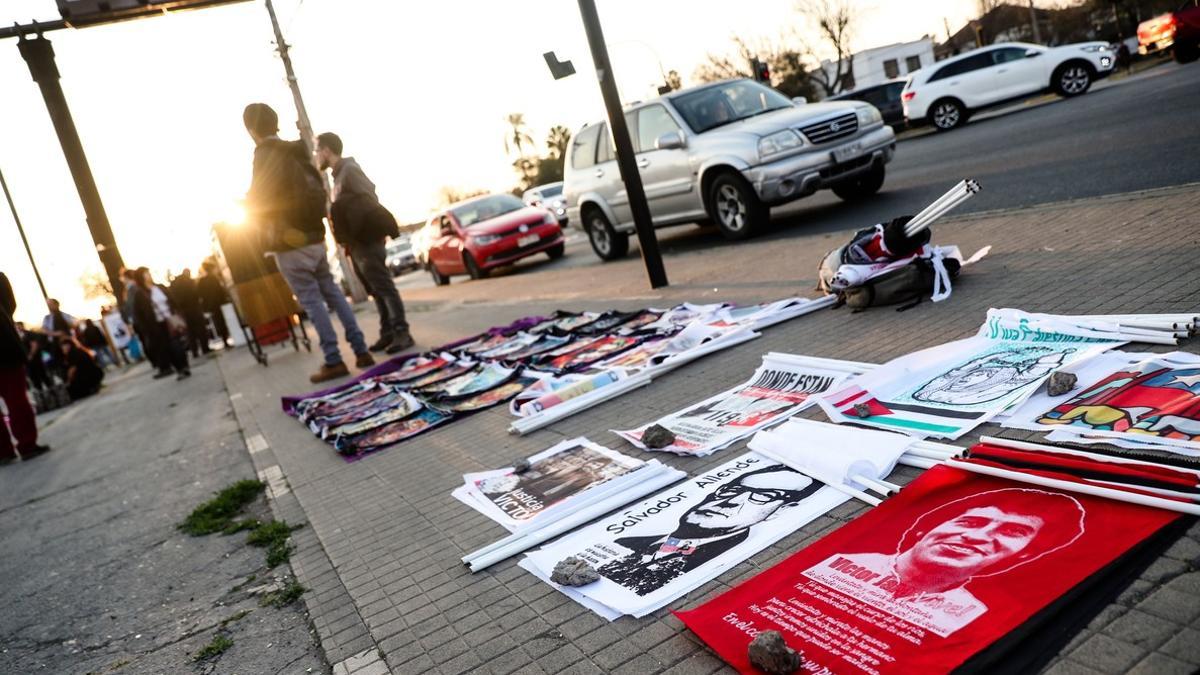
1125 135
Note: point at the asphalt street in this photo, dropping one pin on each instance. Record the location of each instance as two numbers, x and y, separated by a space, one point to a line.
1125 135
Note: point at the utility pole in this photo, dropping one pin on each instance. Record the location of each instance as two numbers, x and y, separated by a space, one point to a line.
21 230
1033 21
357 293
647 241
39 56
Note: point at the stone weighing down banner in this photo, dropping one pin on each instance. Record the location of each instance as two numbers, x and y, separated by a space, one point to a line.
930 578
686 535
948 390
780 388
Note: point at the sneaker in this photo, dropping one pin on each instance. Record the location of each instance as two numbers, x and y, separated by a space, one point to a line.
27 455
329 372
364 360
382 343
400 343
183 375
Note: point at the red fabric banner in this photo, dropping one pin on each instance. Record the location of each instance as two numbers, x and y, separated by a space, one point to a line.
927 579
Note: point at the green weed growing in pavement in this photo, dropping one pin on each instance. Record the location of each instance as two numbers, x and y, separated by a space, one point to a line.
237 616
284 596
273 536
217 513
239 525
215 648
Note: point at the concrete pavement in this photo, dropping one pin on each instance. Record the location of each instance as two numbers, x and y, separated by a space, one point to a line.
382 551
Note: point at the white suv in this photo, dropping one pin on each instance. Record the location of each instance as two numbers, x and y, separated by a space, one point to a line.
947 92
726 151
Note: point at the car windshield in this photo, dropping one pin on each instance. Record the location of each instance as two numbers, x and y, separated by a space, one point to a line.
551 191
484 208
727 103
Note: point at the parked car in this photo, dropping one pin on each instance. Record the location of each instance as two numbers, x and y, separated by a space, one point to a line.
948 92
479 234
1178 31
885 97
725 151
400 257
549 197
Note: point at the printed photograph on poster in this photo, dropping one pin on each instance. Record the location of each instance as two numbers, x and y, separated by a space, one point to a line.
388 434
686 535
554 476
484 399
934 575
1142 398
779 389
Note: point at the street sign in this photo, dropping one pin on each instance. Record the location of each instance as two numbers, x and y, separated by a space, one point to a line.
78 13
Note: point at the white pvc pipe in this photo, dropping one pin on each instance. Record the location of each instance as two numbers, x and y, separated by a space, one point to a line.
958 188
873 485
941 210
917 462
838 485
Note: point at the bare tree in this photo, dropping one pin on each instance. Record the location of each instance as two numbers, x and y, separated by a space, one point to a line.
835 21
789 72
95 286
518 135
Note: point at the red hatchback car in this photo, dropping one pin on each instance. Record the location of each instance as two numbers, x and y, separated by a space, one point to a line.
474 236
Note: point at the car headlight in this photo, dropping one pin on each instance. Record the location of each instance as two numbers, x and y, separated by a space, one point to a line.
485 239
561 211
868 115
779 142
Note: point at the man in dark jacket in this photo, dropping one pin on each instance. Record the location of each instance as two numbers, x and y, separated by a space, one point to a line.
213 297
21 420
286 204
187 300
362 225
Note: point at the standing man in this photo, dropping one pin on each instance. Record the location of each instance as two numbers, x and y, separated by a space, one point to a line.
21 421
362 225
187 301
57 324
286 202
212 297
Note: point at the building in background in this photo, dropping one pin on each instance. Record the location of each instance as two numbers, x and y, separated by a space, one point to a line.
876 66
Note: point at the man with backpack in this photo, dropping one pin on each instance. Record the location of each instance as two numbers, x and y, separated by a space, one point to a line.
286 202
362 225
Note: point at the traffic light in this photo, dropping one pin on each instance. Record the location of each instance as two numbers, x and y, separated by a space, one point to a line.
760 71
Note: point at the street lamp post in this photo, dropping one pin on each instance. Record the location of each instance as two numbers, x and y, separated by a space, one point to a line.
647 241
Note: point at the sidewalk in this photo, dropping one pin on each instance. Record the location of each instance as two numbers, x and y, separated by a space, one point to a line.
381 555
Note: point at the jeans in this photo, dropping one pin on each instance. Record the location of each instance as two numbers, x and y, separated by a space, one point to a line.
307 272
371 260
20 414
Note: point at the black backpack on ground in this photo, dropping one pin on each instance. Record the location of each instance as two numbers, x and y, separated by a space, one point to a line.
908 284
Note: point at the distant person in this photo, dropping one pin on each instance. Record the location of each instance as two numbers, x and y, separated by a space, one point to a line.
156 313
34 344
57 324
93 338
187 301
128 311
83 375
213 297
362 225
22 424
286 202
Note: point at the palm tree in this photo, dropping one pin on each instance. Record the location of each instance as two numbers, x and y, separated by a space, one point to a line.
557 141
518 136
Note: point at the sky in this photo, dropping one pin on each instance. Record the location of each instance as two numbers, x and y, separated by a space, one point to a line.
417 91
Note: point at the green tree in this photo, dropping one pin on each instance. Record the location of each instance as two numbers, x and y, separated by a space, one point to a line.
518 136
557 141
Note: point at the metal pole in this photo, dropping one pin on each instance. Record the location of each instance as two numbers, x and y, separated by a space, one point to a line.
21 230
647 242
39 56
357 292
1037 34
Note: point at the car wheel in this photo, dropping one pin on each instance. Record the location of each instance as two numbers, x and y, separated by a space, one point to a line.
473 268
861 186
439 279
606 241
947 114
1186 53
738 212
1073 79
556 252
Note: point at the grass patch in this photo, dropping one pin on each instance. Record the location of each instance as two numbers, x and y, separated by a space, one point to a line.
237 616
216 514
273 536
284 596
219 644
239 525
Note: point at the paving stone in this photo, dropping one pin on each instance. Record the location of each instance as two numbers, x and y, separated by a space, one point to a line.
1107 654
1172 605
1143 630
1185 646
1160 664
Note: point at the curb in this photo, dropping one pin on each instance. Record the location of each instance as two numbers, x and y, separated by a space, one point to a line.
350 650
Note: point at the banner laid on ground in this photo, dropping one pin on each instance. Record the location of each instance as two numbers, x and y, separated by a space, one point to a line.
1141 398
649 554
780 388
948 390
554 476
931 577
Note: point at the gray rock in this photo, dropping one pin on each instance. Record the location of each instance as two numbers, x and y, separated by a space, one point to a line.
572 571
521 466
656 436
1060 383
862 410
770 654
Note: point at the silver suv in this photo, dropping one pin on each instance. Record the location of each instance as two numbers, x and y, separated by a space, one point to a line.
726 151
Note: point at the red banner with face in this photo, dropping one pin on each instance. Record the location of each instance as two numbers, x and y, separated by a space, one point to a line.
927 579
